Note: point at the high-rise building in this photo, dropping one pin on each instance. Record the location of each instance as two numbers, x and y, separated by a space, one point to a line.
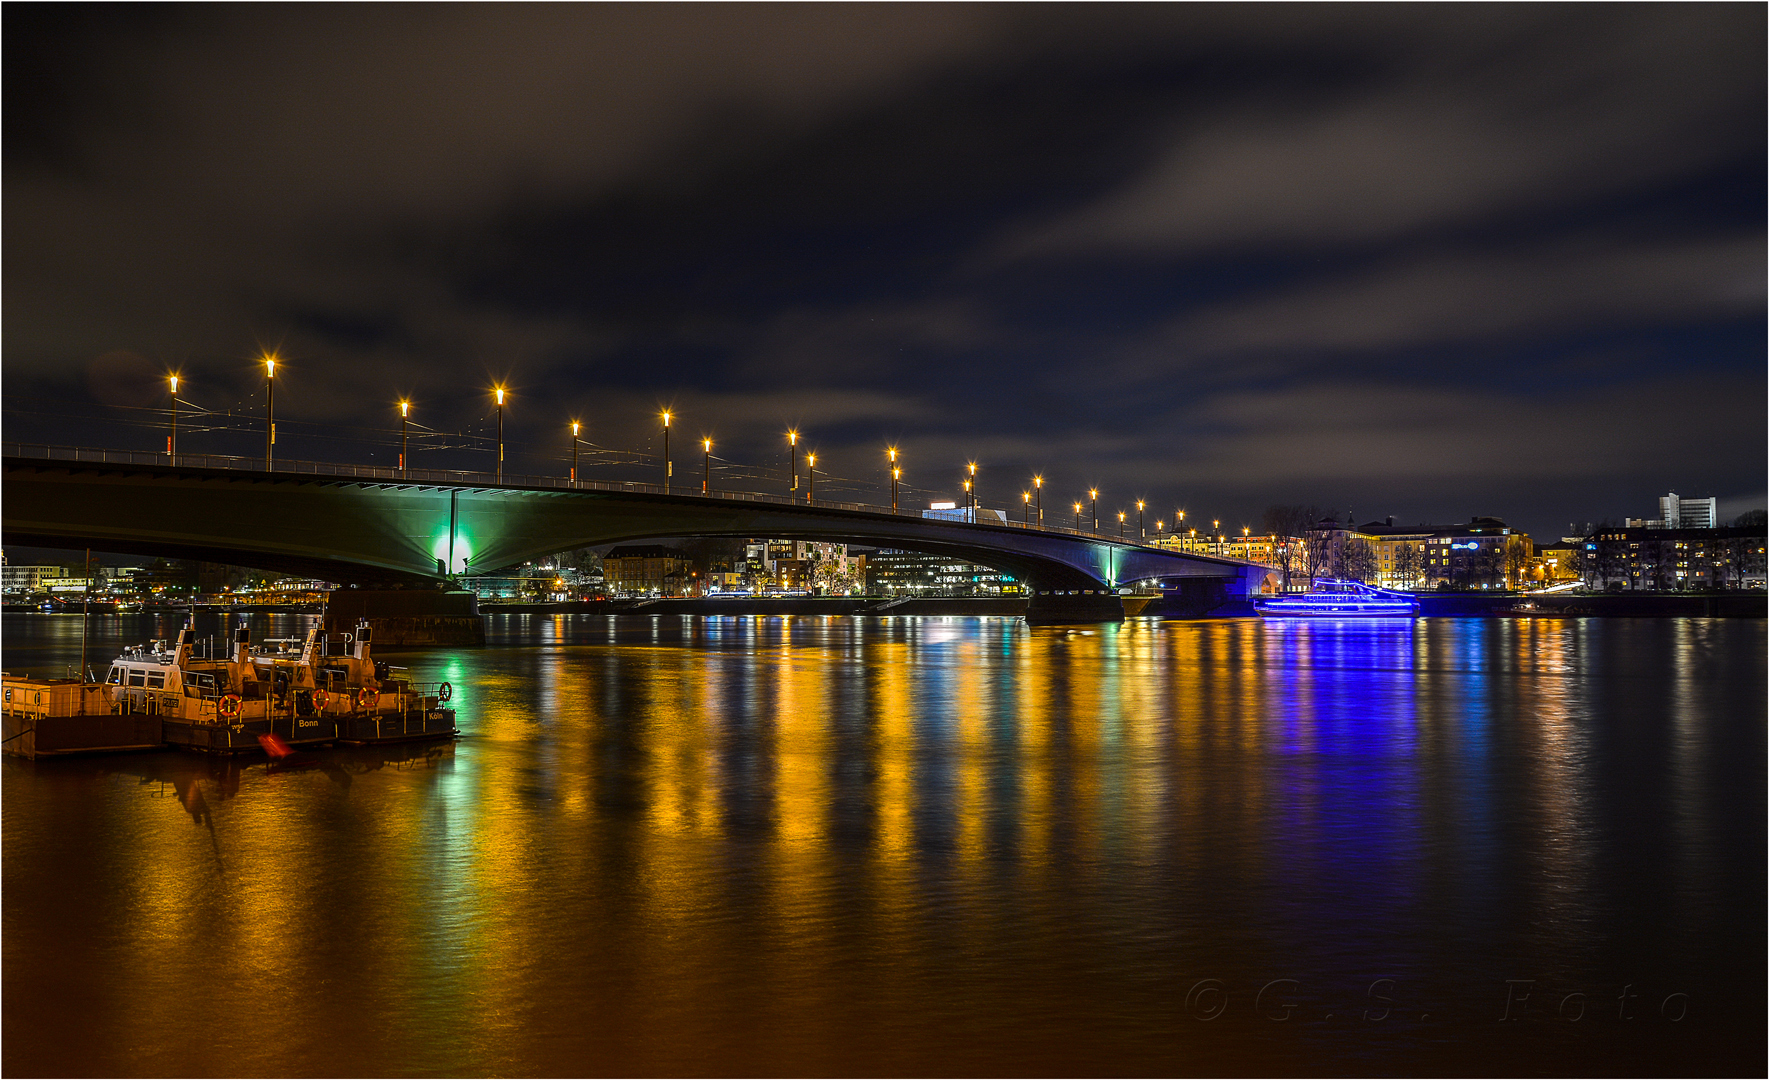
1676 512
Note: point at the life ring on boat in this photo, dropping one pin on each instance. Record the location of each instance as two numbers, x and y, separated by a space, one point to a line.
228 706
368 697
320 697
444 692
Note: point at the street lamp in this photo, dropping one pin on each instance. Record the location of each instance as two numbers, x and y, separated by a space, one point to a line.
792 439
1026 497
970 504
972 488
172 439
1216 528
269 412
574 430
895 473
500 467
405 416
706 461
810 477
669 468
1038 497
1139 525
1120 524
1094 494
1077 517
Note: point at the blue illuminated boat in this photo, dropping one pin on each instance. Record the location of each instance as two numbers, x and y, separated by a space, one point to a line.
1333 598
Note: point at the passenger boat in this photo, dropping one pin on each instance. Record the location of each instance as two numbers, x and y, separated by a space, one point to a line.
1333 598
308 691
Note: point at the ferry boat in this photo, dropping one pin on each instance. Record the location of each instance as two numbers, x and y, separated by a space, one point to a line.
308 691
1333 598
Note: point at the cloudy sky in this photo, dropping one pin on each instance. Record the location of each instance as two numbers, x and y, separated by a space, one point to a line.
1427 262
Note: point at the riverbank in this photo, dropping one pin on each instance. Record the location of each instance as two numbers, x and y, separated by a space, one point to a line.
1749 605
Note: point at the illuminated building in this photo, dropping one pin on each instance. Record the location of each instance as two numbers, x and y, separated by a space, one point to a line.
1649 559
647 570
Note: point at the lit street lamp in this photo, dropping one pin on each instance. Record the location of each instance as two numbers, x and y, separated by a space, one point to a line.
810 477
1077 517
1026 497
792 439
500 466
1120 524
969 503
405 416
1094 494
574 430
1139 525
1038 496
669 468
972 488
269 412
172 439
895 472
706 461
1216 527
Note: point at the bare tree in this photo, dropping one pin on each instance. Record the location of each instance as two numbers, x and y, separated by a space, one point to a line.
1288 526
1355 559
1408 562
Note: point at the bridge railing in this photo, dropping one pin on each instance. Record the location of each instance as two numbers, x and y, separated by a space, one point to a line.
459 477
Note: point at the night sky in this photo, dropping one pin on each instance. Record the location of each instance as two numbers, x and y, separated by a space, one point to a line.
1421 262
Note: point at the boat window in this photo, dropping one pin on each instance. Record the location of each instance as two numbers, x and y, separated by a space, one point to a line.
116 678
156 679
137 677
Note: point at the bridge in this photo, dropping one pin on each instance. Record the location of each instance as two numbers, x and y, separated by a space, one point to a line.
387 527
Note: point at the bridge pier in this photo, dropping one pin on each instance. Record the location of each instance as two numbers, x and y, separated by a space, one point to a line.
401 617
1057 607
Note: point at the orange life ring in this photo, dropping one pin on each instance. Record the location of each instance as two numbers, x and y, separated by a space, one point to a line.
320 697
368 697
228 706
444 692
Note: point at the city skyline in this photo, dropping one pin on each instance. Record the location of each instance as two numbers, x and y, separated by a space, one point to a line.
1428 263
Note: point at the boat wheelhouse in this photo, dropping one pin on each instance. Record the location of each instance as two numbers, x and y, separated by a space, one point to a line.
1334 598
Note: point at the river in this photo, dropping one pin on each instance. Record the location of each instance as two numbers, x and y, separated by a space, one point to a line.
798 845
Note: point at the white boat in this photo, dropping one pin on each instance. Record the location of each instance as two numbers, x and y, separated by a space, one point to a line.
1334 598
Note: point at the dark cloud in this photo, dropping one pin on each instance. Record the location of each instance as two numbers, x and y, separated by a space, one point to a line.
1224 255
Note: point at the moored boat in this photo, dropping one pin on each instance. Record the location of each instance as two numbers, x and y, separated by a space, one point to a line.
1333 598
304 692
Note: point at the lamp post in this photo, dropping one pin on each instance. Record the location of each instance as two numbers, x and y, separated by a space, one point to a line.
1139 526
792 440
1026 497
969 504
1192 542
1158 525
269 412
1094 494
895 473
1038 497
669 468
1216 529
1077 517
972 488
405 416
1120 524
172 439
574 430
500 467
706 461
810 477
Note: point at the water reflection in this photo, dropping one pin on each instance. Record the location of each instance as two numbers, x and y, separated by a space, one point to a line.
837 845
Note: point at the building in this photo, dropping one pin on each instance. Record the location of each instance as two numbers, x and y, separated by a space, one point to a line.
1675 512
28 580
648 570
1654 559
1557 563
890 572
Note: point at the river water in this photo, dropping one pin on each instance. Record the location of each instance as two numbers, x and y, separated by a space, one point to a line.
928 845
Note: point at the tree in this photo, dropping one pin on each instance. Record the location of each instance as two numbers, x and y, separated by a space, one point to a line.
833 578
1287 525
1354 559
1408 562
